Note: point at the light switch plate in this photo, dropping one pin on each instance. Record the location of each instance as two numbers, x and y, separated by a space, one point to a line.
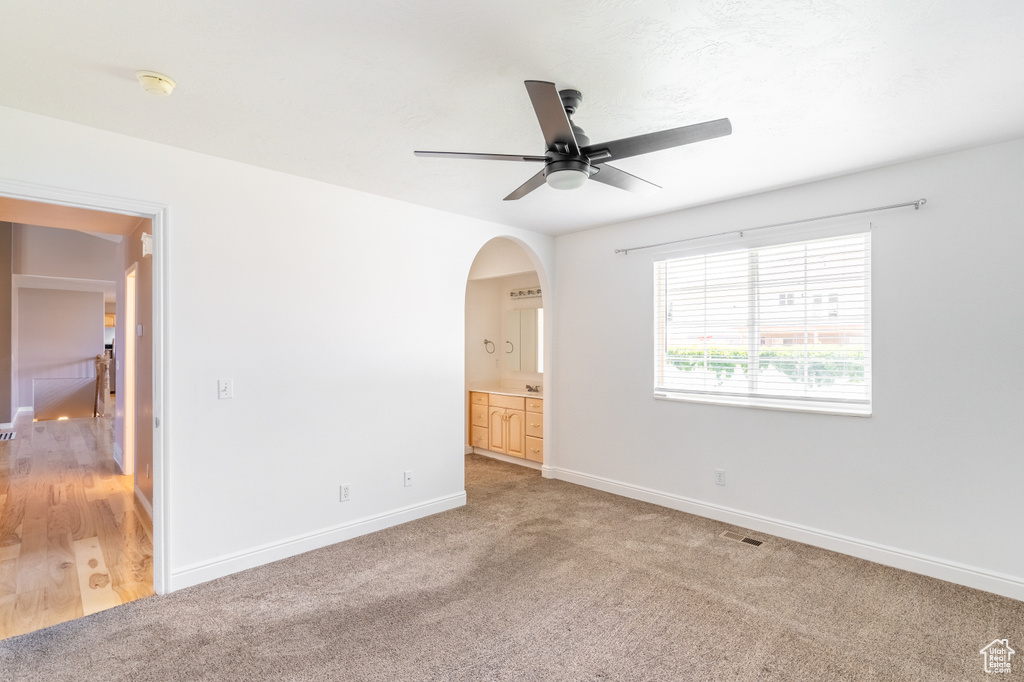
225 389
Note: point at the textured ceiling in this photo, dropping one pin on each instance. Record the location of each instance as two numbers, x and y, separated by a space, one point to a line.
344 91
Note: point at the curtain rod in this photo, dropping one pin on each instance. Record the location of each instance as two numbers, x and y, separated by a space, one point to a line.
916 204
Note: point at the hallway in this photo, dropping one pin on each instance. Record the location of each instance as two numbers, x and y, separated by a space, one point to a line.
72 541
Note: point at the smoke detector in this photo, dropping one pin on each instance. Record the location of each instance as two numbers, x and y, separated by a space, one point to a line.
155 83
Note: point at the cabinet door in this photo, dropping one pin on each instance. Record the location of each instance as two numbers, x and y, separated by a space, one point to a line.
496 428
515 444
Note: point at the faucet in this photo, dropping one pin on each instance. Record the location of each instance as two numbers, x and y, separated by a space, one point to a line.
532 389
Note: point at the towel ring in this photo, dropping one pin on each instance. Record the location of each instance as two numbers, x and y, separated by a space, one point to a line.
489 343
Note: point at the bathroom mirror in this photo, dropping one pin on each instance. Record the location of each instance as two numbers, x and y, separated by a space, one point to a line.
524 340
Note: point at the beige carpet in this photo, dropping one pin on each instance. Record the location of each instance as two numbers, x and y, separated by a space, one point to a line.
540 580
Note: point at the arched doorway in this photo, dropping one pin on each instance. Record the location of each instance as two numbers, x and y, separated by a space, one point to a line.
507 354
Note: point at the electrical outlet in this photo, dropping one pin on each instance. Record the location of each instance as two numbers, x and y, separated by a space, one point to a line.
408 478
345 493
720 476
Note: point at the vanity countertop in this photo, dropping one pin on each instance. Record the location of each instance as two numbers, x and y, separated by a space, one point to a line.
502 390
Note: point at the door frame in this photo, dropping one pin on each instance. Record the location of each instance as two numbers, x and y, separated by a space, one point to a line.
131 321
157 213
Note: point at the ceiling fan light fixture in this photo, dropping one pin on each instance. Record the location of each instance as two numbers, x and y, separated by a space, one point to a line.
566 178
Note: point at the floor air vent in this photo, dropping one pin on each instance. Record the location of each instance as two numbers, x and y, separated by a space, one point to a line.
7 436
741 538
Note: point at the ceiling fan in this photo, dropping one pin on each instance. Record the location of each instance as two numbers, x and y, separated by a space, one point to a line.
570 159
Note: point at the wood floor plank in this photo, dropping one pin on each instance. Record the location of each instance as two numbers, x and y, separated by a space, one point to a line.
34 540
63 596
94 577
8 577
9 552
79 514
11 519
130 566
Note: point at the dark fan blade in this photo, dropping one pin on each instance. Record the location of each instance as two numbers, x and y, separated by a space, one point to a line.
652 142
527 187
485 157
610 175
554 122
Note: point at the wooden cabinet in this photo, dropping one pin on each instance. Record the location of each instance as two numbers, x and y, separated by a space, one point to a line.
508 424
534 430
479 436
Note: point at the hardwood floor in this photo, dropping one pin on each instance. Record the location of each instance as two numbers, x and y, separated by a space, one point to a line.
71 539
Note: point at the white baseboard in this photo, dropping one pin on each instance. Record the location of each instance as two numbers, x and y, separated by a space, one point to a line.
119 457
506 458
961 574
14 418
144 504
257 556
469 449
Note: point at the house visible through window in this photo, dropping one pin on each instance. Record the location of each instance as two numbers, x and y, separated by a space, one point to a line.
786 325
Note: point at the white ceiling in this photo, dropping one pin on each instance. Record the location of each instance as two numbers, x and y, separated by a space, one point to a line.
343 91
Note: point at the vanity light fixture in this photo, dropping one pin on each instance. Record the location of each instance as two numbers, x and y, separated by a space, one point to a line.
525 293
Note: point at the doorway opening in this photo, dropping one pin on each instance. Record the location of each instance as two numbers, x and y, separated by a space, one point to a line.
505 354
107 519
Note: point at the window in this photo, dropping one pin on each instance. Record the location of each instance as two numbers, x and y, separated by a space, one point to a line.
785 326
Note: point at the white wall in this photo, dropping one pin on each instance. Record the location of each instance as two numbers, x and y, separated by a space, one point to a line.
928 482
60 333
291 288
483 322
59 252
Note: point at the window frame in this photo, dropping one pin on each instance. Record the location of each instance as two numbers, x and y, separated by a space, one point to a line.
735 243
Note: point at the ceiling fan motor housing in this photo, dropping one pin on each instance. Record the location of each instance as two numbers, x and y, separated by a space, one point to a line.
567 173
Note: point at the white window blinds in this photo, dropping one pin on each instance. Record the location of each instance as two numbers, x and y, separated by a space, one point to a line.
777 326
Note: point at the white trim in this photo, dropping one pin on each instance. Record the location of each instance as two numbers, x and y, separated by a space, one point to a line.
950 571
119 461
508 458
469 449
264 554
784 404
144 503
63 196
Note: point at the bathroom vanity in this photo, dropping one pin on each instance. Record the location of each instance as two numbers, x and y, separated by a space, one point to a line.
507 422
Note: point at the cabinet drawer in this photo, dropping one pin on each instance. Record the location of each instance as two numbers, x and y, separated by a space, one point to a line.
479 437
508 401
534 405
478 398
535 424
478 415
535 449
